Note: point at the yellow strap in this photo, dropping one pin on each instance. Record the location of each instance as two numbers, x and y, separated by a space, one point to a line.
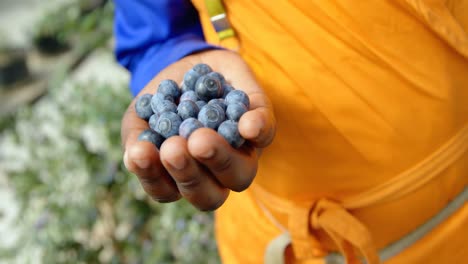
342 227
214 7
305 246
218 16
345 230
415 177
400 185
276 248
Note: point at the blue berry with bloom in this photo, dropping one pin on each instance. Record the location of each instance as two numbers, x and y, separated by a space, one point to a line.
187 109
218 101
202 68
189 95
188 126
143 106
168 124
208 88
229 130
218 76
152 122
234 111
190 79
151 136
226 89
166 106
200 103
169 88
237 96
157 99
211 116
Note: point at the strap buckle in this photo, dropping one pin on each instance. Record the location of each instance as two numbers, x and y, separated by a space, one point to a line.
219 19
220 22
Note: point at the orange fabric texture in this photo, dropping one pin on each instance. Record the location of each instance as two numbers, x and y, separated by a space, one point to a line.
369 96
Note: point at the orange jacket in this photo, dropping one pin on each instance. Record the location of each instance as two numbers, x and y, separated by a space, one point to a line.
371 99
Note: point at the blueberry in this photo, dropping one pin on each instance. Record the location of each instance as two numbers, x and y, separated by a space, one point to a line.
143 106
200 104
166 106
187 109
151 136
169 88
190 79
230 131
208 88
153 121
184 88
188 126
168 124
202 68
218 76
189 95
237 96
234 111
226 89
157 99
218 101
211 115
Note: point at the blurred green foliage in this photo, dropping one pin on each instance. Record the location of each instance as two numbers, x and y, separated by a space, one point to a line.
84 24
78 204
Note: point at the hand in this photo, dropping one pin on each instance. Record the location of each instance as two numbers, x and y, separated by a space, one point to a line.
205 167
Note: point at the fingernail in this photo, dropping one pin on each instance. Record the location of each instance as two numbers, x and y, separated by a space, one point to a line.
142 164
169 199
178 163
208 154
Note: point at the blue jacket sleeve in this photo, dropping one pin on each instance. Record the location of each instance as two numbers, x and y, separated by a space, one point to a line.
151 34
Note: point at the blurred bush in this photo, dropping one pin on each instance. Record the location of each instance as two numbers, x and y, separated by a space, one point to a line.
78 204
83 24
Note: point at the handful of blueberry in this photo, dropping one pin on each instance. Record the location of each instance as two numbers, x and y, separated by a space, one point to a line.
205 99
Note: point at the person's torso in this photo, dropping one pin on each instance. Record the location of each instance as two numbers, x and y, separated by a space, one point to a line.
362 91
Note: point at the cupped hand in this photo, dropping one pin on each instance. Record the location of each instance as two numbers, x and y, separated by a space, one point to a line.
204 168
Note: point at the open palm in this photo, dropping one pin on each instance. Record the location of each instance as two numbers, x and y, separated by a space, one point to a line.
204 168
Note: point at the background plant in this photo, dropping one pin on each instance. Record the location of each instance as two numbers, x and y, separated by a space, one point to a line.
78 203
82 24
63 161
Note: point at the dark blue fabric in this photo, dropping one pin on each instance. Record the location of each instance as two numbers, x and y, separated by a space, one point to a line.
151 34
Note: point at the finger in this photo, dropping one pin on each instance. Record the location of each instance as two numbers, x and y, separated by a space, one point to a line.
258 125
131 127
142 159
194 182
233 168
